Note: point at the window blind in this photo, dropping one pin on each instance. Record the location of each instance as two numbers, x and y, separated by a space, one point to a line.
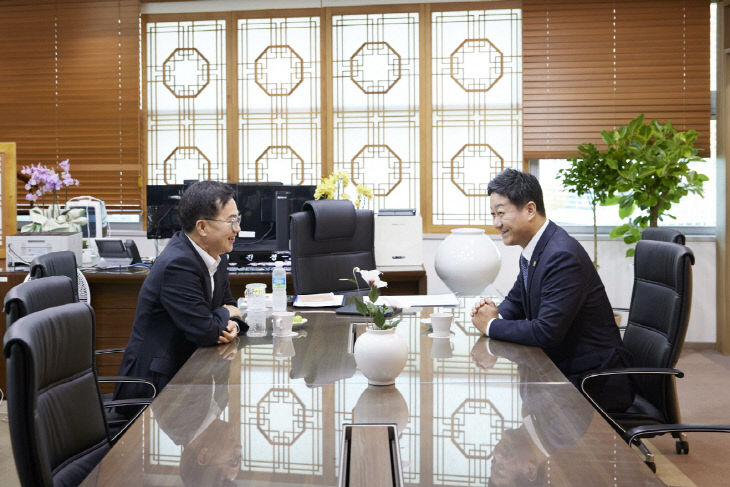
69 78
593 65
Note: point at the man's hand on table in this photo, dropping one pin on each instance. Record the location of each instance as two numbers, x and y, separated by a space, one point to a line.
482 312
230 333
233 311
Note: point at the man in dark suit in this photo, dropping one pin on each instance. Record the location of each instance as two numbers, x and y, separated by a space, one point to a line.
558 301
185 301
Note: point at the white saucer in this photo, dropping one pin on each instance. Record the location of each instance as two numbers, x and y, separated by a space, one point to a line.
292 334
304 320
431 335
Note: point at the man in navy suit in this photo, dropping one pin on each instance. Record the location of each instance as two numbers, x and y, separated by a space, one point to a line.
185 301
558 302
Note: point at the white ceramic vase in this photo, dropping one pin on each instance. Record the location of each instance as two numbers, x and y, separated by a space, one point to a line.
467 261
381 355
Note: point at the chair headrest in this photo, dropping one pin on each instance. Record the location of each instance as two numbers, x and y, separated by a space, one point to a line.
39 294
332 218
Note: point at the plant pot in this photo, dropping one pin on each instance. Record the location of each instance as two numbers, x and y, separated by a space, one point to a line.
467 261
380 355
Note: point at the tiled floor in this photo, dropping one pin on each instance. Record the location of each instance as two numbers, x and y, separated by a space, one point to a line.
704 395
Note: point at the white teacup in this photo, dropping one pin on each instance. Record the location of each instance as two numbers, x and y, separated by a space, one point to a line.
283 348
441 324
442 348
282 321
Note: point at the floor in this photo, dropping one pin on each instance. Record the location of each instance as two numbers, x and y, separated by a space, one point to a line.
704 395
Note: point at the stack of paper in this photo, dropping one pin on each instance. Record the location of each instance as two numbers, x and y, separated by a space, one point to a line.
318 300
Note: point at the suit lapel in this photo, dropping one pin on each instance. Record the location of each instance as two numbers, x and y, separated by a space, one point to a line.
532 264
201 266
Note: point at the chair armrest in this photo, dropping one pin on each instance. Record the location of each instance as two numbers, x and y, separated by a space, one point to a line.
641 431
624 371
127 402
122 379
104 351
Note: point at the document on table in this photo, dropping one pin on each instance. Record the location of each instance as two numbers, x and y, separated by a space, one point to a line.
418 301
318 300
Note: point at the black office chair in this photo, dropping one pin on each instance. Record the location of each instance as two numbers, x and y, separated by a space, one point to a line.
328 239
663 234
61 264
657 324
57 422
47 292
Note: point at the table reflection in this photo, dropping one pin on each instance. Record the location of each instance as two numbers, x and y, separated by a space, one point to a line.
468 412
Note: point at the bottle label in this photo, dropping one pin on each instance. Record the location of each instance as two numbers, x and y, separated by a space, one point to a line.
279 282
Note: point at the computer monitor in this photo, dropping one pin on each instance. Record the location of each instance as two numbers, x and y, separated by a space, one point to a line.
265 210
162 217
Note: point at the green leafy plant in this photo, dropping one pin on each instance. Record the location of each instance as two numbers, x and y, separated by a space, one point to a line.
377 312
588 175
651 166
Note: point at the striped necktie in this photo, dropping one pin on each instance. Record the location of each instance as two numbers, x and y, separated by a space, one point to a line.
523 269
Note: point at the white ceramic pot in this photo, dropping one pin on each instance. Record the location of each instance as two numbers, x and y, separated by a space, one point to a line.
467 261
381 355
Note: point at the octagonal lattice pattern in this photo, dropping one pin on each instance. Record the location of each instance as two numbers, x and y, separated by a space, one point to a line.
476 65
279 70
375 67
382 166
473 166
476 427
277 407
185 162
186 72
279 159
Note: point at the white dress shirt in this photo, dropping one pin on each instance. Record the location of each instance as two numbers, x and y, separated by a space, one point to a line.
527 254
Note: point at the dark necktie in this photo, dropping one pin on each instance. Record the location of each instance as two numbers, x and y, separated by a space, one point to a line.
523 269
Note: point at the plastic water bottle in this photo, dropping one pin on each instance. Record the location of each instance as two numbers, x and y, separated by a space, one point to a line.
278 285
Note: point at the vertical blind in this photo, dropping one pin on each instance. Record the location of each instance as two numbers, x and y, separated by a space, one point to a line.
591 65
69 78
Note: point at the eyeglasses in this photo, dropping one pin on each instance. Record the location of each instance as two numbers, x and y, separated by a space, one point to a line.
235 222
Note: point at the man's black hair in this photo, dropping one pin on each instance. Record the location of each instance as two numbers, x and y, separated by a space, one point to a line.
203 201
519 188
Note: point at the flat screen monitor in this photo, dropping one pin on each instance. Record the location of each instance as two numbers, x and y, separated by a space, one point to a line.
162 218
258 206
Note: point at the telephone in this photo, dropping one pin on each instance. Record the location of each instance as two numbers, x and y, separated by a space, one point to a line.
114 253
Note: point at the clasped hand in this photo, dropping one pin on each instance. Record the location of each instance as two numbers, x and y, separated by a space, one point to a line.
231 330
483 311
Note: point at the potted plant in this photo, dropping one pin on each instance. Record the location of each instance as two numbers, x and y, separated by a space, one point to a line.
333 187
380 352
590 176
651 166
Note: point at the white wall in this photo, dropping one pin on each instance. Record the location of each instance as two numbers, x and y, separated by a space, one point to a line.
617 273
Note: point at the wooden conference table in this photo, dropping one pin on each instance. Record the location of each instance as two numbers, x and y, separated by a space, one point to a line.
270 411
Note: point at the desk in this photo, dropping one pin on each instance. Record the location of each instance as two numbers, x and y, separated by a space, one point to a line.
114 299
462 418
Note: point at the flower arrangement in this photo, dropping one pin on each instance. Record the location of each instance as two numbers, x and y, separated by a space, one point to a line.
42 180
377 312
333 187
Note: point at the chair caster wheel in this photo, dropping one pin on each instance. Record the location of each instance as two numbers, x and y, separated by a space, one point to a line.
651 465
681 447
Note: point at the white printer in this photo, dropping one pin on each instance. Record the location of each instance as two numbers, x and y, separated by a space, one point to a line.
398 238
21 248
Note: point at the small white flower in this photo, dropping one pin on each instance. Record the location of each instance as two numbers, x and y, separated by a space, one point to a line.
373 278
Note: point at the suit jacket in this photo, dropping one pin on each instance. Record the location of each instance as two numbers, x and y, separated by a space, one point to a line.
565 311
175 314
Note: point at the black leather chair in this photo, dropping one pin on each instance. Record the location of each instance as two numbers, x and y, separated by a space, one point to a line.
663 234
61 264
328 239
35 295
657 324
57 422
